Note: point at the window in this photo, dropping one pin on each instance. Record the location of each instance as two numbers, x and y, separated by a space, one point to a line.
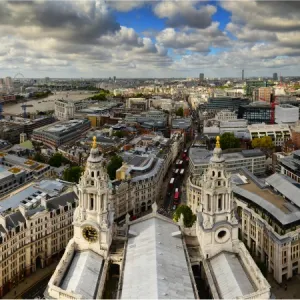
219 174
219 202
221 234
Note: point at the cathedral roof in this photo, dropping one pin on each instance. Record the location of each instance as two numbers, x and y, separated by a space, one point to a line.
150 271
230 277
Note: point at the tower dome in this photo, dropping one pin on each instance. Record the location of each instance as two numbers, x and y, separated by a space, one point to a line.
217 154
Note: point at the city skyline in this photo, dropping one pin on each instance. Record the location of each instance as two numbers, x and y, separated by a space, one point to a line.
164 39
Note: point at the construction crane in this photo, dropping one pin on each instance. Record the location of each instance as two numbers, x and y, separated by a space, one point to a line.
24 107
273 103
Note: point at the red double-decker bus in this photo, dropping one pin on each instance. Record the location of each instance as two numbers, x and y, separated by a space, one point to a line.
176 196
171 184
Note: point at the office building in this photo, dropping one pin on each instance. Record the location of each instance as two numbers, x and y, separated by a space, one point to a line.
265 94
255 113
201 76
137 183
8 81
10 131
278 132
243 75
289 165
275 76
252 85
286 114
66 109
269 213
16 171
140 104
254 160
225 115
62 132
220 103
35 226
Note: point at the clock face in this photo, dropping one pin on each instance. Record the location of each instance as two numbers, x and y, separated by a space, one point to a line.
90 234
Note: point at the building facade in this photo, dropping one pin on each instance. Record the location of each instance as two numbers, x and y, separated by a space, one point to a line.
254 160
61 133
286 114
278 132
34 233
256 113
66 109
269 216
265 94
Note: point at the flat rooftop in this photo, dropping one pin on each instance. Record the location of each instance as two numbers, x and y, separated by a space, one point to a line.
282 203
202 156
30 192
266 194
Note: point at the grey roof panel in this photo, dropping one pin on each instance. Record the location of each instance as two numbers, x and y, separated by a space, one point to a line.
14 201
155 264
230 277
13 220
277 213
83 274
285 187
61 200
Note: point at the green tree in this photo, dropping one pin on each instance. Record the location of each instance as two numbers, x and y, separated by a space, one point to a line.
120 134
57 159
179 112
73 174
114 164
189 217
264 143
229 141
39 157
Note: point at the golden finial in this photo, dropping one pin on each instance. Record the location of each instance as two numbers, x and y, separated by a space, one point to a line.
218 142
94 145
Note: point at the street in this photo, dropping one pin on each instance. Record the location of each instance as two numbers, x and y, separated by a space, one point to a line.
169 189
37 291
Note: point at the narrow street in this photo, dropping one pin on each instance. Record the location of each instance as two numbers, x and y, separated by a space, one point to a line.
167 204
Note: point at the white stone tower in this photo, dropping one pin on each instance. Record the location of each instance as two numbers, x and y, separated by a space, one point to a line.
217 227
23 137
94 216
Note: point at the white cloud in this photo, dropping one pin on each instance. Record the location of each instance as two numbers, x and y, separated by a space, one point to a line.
185 13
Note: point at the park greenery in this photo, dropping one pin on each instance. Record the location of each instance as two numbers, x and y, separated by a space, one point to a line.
101 96
179 112
188 217
114 164
39 95
72 174
229 141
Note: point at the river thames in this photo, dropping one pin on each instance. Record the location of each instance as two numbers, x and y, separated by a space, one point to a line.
45 103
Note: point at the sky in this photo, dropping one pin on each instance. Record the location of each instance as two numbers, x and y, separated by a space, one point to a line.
130 39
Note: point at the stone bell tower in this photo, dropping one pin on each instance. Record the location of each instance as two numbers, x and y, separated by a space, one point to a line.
94 216
217 227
